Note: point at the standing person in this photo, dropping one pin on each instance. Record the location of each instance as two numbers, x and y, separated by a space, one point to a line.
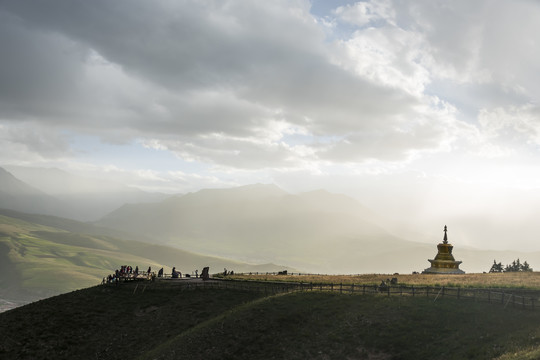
160 272
149 270
174 274
137 270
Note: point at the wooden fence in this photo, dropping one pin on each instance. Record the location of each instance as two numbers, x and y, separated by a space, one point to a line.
497 296
517 298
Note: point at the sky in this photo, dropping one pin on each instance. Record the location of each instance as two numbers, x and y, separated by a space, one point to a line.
425 111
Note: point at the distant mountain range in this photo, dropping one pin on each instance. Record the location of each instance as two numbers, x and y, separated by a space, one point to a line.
66 195
315 231
17 195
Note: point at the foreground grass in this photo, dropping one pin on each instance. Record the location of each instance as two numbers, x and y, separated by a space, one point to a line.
108 322
162 321
330 326
528 354
528 280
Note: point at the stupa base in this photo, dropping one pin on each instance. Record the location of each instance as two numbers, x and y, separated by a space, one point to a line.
444 271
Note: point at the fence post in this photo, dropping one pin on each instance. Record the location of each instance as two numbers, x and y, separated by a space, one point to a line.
341 288
352 288
364 289
311 286
413 291
332 287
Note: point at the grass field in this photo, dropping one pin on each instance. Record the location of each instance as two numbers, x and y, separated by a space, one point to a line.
172 322
530 280
323 325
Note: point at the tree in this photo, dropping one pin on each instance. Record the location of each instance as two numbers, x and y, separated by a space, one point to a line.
515 266
496 267
525 267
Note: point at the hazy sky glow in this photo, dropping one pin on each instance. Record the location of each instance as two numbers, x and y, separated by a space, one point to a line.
424 108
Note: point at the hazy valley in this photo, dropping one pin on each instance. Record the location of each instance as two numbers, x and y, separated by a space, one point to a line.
248 228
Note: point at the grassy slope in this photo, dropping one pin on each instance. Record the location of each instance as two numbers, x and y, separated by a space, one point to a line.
46 263
107 322
324 325
171 323
43 259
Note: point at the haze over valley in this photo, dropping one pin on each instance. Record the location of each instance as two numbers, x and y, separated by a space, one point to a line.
315 136
252 228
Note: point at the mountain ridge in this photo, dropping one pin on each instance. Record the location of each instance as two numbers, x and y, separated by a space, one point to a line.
75 197
18 195
260 222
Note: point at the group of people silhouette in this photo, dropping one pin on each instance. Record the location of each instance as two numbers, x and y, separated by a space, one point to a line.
126 272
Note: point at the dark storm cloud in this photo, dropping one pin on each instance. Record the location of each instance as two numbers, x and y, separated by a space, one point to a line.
39 72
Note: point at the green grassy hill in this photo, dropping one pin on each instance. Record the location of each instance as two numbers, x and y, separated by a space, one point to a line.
172 322
41 256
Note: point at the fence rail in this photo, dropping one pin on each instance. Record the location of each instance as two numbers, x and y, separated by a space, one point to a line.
516 298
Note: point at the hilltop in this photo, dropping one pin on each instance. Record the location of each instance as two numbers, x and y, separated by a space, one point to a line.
157 321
